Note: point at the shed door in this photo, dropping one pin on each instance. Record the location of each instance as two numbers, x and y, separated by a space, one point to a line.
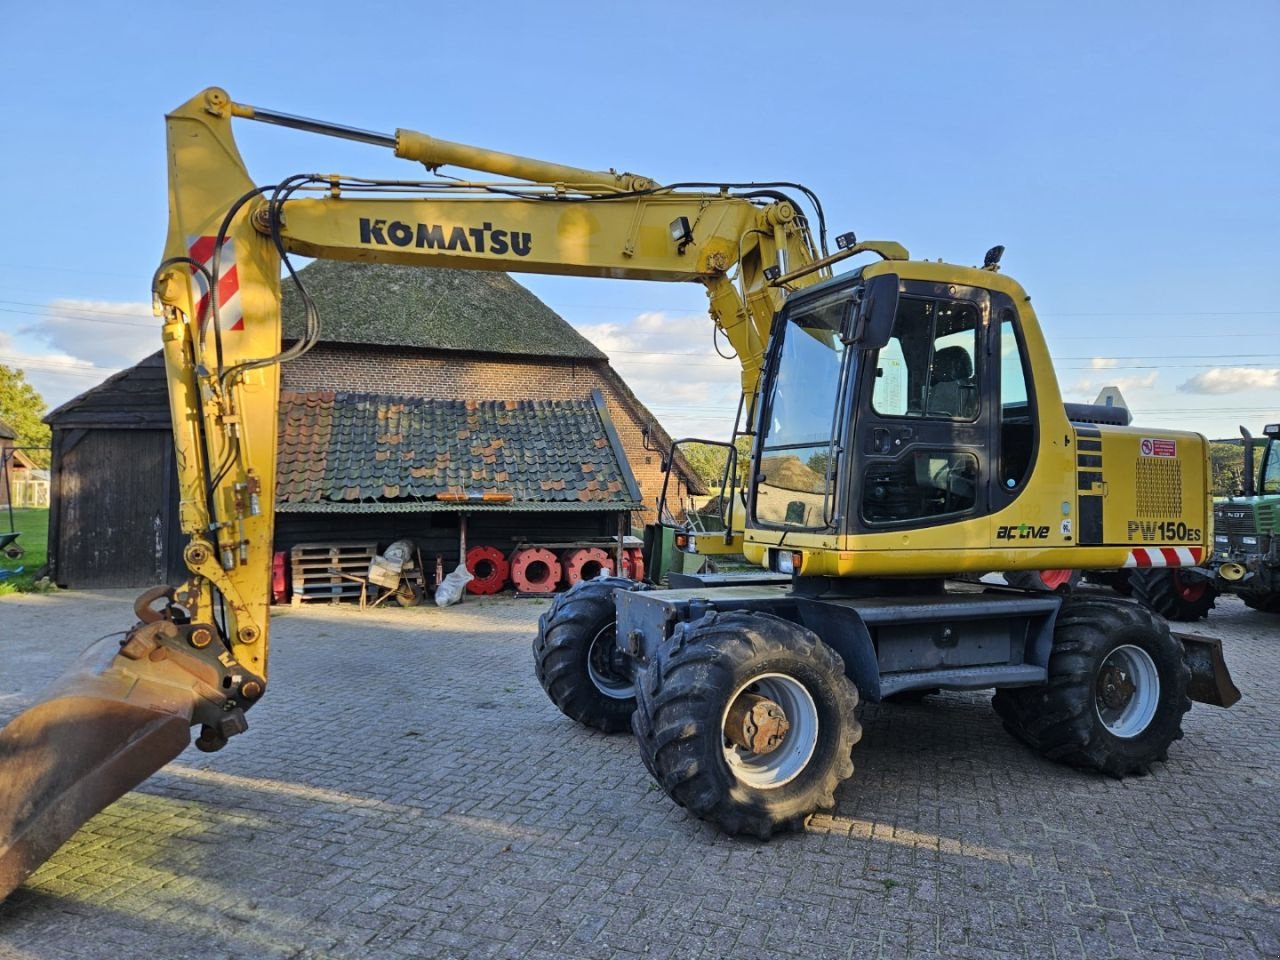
118 513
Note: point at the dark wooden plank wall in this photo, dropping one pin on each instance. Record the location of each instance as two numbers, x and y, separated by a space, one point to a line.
113 517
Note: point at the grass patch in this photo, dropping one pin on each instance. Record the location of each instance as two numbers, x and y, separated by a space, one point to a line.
33 527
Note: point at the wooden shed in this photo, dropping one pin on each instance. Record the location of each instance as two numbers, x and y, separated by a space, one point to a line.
395 333
113 506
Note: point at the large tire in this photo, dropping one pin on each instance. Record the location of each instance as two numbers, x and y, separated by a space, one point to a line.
1266 602
1172 594
576 658
683 703
1116 693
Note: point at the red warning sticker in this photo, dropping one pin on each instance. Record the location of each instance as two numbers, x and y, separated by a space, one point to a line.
1159 448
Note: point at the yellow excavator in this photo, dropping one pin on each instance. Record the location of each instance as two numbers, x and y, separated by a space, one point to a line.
905 423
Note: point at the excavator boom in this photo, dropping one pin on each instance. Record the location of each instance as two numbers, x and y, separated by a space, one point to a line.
126 708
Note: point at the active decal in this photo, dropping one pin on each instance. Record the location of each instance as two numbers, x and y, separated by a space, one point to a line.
1158 448
1023 531
1150 530
435 236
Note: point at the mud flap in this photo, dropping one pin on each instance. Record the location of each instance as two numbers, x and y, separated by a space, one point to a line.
119 715
1210 680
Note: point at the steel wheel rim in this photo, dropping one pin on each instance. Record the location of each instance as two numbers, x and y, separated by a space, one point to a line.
603 660
1127 691
771 770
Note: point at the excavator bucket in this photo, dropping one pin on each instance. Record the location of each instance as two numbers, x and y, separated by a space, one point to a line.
120 714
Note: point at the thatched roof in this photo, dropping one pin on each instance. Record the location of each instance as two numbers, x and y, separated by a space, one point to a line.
433 309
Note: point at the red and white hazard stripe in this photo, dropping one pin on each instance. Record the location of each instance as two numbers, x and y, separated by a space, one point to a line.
228 280
1164 556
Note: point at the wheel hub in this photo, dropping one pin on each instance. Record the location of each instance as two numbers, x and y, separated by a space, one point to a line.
1115 687
1127 691
756 723
769 730
610 670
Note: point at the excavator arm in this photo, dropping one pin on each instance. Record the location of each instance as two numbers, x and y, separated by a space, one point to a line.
198 653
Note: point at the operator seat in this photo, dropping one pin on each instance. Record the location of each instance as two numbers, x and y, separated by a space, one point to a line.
952 392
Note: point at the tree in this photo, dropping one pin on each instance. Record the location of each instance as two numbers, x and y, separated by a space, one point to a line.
21 407
1227 458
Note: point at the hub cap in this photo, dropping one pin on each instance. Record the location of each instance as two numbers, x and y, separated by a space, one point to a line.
784 761
609 668
1128 691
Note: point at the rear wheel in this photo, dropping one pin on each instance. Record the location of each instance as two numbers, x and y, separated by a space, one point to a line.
1116 693
1173 594
747 721
1117 580
577 660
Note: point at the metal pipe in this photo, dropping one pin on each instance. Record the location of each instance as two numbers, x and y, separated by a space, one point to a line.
462 546
411 145
622 520
247 112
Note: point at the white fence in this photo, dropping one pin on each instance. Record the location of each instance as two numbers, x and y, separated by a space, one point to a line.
29 493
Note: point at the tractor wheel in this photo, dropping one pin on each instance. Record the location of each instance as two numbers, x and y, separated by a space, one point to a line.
1266 602
1173 594
577 661
747 721
1116 692
1117 580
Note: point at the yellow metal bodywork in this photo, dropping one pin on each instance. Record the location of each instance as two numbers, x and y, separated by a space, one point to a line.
1051 496
225 429
225 426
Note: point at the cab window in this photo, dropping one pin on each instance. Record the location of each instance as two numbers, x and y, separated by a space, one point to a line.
927 368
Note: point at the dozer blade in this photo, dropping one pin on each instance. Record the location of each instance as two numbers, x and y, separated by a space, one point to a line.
119 715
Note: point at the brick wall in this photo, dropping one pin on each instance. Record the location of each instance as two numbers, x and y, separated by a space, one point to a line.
485 377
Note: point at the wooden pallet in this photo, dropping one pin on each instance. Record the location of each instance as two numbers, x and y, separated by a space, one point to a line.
318 571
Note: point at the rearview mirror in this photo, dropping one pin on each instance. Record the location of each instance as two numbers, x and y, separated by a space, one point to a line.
873 318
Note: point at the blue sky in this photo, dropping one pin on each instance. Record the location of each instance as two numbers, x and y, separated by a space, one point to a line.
1127 155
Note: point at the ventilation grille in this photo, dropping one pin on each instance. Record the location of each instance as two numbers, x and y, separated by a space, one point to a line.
1159 487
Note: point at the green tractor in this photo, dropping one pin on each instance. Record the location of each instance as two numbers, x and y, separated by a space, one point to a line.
1246 528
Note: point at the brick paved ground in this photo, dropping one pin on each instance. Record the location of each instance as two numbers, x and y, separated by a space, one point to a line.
408 791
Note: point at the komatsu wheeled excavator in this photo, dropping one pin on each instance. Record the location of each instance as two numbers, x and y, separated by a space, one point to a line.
905 423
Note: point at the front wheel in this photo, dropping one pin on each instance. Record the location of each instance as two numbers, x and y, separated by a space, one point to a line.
1116 692
577 660
747 721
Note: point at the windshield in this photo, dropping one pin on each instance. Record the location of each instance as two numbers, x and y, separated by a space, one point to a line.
1269 473
796 477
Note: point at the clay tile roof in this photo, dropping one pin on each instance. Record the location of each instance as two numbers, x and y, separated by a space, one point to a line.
336 451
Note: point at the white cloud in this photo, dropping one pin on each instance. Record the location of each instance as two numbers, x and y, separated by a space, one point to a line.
1087 389
57 376
111 334
1221 380
1103 363
668 360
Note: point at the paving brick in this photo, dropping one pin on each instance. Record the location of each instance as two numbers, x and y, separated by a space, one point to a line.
500 829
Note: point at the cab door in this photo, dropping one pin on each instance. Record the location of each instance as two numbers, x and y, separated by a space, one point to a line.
926 414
